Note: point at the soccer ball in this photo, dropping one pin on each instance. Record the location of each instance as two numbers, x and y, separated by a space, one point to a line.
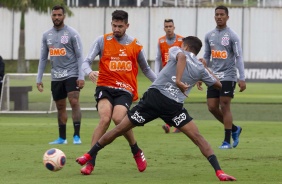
54 159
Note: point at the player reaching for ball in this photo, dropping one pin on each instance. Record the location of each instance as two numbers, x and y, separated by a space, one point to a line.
120 55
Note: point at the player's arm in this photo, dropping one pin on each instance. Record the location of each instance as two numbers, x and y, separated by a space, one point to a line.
210 79
158 60
207 51
95 50
239 62
199 83
78 49
42 63
144 66
181 65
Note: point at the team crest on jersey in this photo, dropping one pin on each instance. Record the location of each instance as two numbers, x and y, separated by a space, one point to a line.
213 34
64 39
109 37
225 41
179 39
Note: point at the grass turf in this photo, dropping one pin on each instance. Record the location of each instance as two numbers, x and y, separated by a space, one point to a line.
171 157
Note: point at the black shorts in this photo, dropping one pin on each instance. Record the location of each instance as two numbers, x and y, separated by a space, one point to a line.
115 96
60 89
154 105
228 89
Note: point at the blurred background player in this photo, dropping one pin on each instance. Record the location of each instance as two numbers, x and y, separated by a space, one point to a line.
223 46
63 44
120 55
165 42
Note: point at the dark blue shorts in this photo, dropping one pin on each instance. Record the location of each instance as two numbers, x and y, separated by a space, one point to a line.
154 105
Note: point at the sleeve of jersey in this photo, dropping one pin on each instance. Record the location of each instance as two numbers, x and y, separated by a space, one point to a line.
208 78
144 66
173 51
207 51
43 60
95 49
239 57
158 60
79 55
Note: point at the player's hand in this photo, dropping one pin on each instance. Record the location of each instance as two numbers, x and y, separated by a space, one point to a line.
202 60
39 86
199 85
242 85
80 84
93 76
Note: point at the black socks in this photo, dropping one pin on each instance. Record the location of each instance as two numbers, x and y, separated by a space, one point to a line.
62 131
134 149
76 126
213 161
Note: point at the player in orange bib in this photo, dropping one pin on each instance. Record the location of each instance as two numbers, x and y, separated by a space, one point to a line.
165 42
120 55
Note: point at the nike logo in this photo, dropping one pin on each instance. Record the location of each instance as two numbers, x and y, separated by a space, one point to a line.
121 50
225 92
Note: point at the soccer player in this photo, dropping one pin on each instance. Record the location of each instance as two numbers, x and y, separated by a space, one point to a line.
64 46
164 99
223 46
165 42
120 55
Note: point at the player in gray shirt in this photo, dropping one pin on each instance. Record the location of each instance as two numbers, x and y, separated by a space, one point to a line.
223 46
165 98
62 43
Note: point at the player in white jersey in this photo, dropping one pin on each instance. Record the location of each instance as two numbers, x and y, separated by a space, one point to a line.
223 46
164 99
62 43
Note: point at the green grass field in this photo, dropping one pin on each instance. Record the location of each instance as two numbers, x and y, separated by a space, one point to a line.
172 158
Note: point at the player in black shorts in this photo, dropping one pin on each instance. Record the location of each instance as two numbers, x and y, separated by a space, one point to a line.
165 98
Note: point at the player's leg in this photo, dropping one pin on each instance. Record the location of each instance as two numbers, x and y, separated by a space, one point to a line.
59 95
191 130
213 102
106 139
73 97
104 107
226 95
138 117
122 102
213 106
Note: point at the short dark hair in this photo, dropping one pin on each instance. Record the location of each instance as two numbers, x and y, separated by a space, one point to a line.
120 15
222 8
168 20
194 43
58 7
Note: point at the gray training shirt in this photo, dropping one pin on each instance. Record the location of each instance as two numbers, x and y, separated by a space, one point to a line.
65 50
193 72
223 46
